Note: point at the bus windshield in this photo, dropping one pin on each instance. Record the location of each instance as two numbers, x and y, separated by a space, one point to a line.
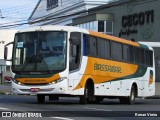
39 51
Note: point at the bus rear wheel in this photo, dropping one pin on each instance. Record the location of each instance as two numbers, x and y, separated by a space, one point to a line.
40 98
129 100
98 99
53 97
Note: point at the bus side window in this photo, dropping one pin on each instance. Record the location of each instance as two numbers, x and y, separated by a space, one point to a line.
147 58
75 51
151 58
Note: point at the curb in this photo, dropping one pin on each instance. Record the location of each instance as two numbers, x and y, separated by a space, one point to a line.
153 97
5 93
2 93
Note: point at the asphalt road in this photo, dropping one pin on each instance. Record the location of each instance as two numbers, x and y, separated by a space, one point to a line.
70 109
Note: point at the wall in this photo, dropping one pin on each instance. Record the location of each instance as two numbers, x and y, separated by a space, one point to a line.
6 36
65 7
149 31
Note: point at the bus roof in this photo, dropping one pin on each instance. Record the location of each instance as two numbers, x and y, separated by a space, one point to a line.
76 29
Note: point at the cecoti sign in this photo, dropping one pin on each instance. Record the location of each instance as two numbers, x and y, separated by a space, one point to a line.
138 19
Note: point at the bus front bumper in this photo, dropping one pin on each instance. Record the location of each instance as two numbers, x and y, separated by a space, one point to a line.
38 89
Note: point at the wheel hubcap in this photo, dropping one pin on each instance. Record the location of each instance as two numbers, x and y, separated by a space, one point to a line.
132 96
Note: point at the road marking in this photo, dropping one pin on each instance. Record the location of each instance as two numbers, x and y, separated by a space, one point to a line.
62 118
96 109
1 108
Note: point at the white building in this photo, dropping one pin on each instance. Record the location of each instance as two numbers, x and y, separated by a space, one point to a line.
6 36
53 11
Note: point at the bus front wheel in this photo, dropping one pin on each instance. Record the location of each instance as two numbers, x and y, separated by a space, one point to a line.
88 96
40 98
83 98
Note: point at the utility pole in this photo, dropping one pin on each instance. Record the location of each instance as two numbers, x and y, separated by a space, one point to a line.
1 15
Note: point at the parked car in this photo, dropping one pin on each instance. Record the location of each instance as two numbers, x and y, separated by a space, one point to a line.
7 79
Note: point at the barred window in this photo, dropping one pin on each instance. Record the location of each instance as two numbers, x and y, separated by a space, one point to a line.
52 4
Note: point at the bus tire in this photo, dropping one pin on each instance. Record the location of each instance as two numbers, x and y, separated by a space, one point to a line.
131 99
122 100
83 98
40 98
98 99
88 96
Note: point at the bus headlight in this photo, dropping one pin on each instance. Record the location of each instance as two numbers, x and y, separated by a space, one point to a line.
15 81
59 80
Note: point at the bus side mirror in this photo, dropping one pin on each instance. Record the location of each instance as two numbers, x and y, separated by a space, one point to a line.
6 51
74 41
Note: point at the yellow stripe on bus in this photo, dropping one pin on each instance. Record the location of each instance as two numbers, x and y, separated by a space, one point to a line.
110 70
38 80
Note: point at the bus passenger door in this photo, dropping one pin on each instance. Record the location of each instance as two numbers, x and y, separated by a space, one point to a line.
74 59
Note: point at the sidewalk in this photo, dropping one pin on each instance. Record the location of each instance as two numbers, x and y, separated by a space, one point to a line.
6 89
157 89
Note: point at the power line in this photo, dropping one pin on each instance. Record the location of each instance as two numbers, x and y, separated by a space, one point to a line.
20 6
1 15
18 10
47 17
12 22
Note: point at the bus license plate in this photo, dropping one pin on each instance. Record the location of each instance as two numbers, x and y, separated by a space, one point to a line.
35 89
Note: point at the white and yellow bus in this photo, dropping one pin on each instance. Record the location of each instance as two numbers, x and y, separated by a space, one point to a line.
58 61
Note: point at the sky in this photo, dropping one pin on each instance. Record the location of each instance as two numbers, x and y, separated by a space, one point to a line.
15 10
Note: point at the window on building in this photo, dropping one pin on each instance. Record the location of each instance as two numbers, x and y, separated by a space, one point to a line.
91 25
109 27
52 4
101 26
105 27
88 26
116 51
103 47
